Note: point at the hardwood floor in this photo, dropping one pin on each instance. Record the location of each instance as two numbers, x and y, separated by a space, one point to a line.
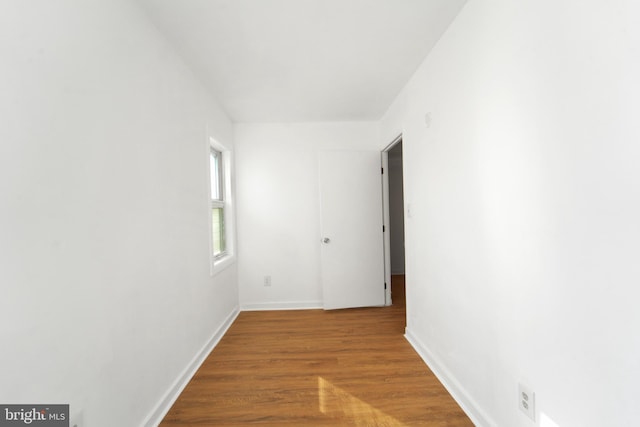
317 368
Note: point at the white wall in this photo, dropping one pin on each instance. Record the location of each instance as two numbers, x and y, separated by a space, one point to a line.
524 239
278 207
104 252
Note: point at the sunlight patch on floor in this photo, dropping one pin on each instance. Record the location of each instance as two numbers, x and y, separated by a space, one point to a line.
336 402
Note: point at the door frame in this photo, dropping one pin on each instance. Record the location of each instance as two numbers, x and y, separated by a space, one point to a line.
385 216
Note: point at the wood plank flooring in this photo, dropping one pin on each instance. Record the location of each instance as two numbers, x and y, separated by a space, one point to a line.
317 368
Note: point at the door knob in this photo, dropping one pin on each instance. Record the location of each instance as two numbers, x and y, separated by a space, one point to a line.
326 240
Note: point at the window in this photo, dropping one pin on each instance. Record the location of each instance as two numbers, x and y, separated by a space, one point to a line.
218 214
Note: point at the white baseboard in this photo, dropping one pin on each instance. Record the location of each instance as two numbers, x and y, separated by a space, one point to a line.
448 380
161 409
294 305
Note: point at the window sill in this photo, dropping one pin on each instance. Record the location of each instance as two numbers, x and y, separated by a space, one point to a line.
222 264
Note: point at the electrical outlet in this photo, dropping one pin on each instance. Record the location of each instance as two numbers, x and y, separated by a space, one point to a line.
527 401
75 420
267 280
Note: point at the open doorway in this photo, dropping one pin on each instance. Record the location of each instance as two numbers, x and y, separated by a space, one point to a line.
396 224
393 197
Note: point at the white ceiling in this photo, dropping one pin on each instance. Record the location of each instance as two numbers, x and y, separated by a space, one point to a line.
303 60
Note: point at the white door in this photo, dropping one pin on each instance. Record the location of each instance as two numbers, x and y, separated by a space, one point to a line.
352 257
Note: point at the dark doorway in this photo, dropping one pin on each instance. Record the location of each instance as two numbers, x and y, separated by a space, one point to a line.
396 223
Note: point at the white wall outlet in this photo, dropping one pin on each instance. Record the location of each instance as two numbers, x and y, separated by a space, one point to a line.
75 419
267 280
427 120
527 401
